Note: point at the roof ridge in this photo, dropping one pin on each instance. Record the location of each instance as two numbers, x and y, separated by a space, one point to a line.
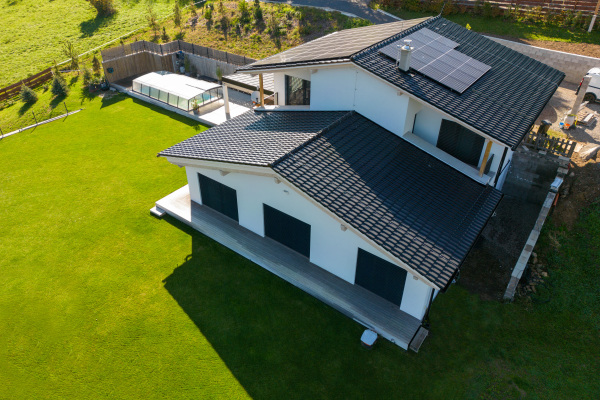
396 36
338 121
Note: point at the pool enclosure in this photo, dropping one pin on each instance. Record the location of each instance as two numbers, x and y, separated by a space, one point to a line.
177 90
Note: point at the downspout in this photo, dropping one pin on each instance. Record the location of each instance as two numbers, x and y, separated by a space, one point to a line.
425 320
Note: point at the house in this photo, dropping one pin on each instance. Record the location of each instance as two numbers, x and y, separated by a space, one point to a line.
379 165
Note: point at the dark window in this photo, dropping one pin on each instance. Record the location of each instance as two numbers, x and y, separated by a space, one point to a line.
287 230
219 197
460 142
380 276
297 91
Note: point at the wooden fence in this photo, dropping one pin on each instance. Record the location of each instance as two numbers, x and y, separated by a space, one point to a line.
136 64
33 81
586 7
560 147
172 47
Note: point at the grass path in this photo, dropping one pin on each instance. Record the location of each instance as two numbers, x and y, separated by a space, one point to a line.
100 300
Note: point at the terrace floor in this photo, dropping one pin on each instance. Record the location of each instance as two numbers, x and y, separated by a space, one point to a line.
354 301
211 114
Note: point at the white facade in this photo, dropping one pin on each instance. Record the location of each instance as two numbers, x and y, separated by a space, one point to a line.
331 248
347 87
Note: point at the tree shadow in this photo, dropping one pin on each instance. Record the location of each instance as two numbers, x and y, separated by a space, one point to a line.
73 80
89 27
86 94
24 108
57 100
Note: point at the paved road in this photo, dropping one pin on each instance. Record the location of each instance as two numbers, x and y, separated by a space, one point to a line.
359 8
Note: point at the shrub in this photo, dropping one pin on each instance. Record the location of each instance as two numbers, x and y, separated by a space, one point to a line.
165 38
193 10
59 86
28 96
152 21
70 52
186 63
486 10
224 24
88 76
208 12
257 13
244 12
177 16
104 8
96 65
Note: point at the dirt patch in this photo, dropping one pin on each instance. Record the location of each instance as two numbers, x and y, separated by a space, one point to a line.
584 49
580 189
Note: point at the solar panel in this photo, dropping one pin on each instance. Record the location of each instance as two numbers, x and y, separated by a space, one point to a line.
434 56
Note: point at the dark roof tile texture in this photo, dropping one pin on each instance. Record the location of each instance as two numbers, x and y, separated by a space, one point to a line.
419 209
335 47
504 103
255 138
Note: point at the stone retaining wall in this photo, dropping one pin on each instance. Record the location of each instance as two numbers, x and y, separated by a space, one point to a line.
573 65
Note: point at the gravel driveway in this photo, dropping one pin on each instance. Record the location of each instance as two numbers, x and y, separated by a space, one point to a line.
560 104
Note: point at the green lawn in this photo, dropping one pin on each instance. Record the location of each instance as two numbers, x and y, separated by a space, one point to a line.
98 299
518 30
32 32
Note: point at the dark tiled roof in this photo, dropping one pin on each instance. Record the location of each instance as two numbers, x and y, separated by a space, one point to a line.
416 207
335 47
251 82
504 103
255 138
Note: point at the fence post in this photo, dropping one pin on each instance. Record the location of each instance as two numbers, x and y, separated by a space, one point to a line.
66 107
36 121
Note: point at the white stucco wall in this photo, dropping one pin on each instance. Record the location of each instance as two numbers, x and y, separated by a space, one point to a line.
333 89
427 124
331 248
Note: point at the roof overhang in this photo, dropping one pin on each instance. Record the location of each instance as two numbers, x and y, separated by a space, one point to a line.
269 172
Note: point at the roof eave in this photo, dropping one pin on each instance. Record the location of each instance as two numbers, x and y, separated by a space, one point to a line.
285 66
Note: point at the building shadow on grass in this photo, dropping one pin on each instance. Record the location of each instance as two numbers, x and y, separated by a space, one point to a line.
272 336
180 118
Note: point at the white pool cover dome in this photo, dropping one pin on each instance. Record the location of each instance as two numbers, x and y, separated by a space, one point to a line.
177 90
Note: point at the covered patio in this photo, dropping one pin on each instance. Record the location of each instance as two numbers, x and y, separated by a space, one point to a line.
354 301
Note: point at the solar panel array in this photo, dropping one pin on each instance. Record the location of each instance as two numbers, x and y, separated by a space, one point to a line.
434 56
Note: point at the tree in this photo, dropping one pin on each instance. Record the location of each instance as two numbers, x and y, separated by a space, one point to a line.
88 76
165 37
70 52
177 16
152 21
208 14
96 65
193 10
59 86
244 12
258 14
104 8
28 96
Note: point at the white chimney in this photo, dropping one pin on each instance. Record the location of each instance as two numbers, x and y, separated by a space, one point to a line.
404 53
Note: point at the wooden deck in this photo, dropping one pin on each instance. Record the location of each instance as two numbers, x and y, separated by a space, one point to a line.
354 301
